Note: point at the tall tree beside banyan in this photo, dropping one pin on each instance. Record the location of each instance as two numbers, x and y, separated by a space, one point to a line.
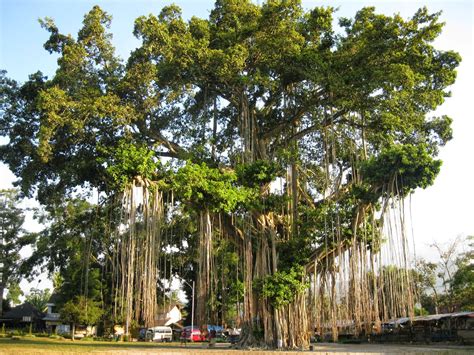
262 133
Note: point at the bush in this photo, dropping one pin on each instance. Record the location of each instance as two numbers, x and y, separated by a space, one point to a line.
55 336
103 339
42 335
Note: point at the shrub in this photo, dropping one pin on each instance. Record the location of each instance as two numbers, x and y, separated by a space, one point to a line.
42 335
103 339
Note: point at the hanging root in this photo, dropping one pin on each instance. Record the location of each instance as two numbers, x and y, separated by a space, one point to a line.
359 286
138 245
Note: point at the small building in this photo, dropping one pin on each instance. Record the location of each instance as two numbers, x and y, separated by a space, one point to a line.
22 316
168 315
53 323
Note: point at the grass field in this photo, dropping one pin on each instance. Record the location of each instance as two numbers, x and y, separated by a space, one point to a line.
25 346
44 345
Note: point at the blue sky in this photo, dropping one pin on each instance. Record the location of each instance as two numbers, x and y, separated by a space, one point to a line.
440 212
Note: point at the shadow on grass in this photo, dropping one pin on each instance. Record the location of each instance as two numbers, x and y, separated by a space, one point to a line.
44 343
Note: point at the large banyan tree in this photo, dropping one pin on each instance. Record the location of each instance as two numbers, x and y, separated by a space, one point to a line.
270 150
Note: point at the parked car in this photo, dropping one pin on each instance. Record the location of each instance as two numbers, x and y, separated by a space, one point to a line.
159 334
192 335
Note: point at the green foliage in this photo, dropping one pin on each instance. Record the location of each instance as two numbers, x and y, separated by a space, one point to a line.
295 251
425 276
411 166
81 310
87 338
282 287
58 121
228 281
208 187
39 298
266 203
318 227
456 273
256 174
70 248
383 74
365 193
463 287
14 293
127 161
462 283
12 238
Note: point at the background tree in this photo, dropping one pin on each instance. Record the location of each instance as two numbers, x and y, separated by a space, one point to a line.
14 293
69 248
12 239
447 264
462 283
39 298
446 286
427 287
80 310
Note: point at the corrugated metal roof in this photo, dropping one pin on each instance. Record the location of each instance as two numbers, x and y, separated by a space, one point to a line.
431 317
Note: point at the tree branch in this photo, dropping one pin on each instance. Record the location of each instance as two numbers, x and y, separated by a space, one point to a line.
312 128
174 149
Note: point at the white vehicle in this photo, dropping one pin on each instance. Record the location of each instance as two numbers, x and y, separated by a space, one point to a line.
159 334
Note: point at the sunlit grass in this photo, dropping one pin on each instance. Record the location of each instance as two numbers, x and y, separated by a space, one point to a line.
25 344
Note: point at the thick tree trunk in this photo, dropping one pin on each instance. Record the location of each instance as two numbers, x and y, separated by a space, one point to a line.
264 268
204 268
2 289
249 312
73 331
3 283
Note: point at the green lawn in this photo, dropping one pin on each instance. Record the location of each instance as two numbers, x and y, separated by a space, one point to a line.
25 346
46 345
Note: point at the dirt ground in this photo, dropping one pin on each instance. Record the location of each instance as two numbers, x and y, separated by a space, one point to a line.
319 349
223 349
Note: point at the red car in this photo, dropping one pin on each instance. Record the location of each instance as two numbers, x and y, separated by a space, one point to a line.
195 335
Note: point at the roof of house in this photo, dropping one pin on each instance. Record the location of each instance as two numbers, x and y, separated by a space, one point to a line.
162 317
23 310
168 307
